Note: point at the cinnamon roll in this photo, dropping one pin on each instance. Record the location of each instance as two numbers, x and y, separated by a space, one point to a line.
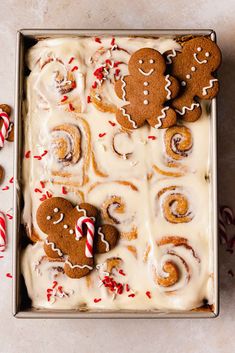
175 205
117 202
109 64
178 264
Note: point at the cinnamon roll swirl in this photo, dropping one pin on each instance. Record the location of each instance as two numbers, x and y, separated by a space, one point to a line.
117 202
175 205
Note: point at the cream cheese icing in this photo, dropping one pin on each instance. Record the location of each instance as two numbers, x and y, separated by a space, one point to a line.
126 174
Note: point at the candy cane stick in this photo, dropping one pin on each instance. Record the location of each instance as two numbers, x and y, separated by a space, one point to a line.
89 222
2 232
5 127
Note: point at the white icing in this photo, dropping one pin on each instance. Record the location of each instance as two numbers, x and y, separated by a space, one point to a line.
123 89
184 109
188 76
78 266
128 117
48 218
193 68
207 54
103 239
52 245
56 210
60 219
183 83
171 55
199 61
199 49
211 83
140 61
168 83
146 73
161 117
146 102
146 83
151 61
146 92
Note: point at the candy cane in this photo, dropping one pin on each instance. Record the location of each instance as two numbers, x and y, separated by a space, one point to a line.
5 127
89 222
2 232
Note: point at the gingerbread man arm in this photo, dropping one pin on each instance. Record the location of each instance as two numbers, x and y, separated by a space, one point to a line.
172 87
52 250
123 88
106 238
210 89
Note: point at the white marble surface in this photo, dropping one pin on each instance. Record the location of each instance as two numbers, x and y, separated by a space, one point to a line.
25 336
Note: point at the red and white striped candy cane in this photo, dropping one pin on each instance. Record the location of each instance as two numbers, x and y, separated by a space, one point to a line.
3 238
5 127
90 224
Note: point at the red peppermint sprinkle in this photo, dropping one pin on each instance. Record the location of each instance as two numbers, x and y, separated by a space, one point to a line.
112 123
97 300
64 191
71 108
132 295
88 99
122 273
102 134
43 198
49 290
97 40
117 72
54 284
11 181
1 257
151 137
117 63
71 60
73 85
74 68
112 41
127 287
94 85
60 289
9 216
38 190
8 275
44 153
98 73
148 294
64 99
37 157
42 184
27 154
5 188
49 195
48 297
108 62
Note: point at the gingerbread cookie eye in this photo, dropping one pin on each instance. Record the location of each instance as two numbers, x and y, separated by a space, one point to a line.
151 61
141 61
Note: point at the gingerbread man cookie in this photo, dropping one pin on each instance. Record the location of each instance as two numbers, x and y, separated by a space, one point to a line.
146 90
74 235
6 127
193 67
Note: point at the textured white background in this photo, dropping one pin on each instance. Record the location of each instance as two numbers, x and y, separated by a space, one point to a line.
25 336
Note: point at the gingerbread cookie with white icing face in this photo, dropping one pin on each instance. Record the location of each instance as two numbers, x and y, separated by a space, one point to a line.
74 234
146 90
194 68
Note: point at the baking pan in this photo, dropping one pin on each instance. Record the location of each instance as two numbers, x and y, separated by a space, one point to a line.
21 307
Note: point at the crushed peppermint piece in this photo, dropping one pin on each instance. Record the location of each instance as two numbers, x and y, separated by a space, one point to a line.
97 300
11 181
71 59
43 198
112 41
148 294
88 99
5 188
74 68
127 287
94 85
49 195
132 295
42 184
102 134
150 137
97 40
54 284
37 190
71 107
64 99
27 154
8 275
74 85
9 216
117 72
112 123
121 272
64 191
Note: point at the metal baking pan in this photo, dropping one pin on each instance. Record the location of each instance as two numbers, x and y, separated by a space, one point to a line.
21 306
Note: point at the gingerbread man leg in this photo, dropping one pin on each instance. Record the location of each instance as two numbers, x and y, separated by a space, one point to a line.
164 117
187 109
127 117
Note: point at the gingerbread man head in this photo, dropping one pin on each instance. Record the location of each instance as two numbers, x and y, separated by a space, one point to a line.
74 235
194 68
147 62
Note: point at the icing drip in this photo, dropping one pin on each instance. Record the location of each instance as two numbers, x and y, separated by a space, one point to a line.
78 266
123 89
168 83
204 90
146 73
169 56
129 118
103 239
161 117
52 245
183 111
